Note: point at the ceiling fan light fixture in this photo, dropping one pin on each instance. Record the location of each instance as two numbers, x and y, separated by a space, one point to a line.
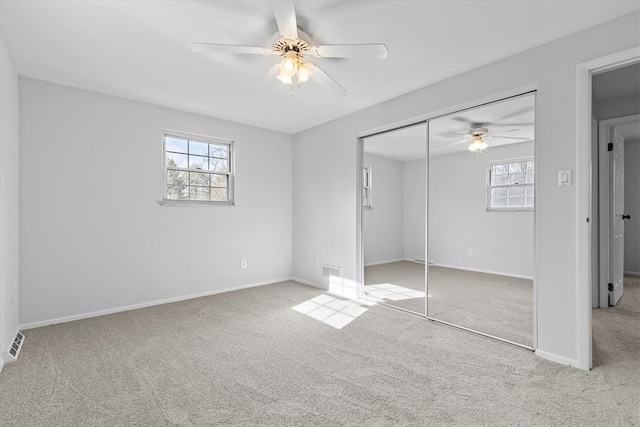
289 66
303 72
284 78
477 145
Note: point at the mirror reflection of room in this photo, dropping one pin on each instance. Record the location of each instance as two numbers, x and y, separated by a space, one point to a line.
481 219
393 217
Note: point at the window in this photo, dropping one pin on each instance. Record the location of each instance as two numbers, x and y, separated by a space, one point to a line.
511 185
198 170
366 186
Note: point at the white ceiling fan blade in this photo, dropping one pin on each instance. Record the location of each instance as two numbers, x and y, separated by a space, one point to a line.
503 131
452 142
285 14
325 80
377 51
455 134
229 48
269 76
508 137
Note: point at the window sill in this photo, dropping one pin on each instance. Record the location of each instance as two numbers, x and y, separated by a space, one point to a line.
166 202
509 210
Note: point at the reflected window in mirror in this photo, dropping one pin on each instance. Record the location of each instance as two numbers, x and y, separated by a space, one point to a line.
510 185
366 187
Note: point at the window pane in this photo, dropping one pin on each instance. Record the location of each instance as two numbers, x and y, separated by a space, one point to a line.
200 179
500 180
179 178
516 168
529 190
198 148
219 165
219 151
198 162
199 193
516 191
500 170
528 201
219 194
529 176
177 192
176 144
530 166
515 201
517 178
177 160
219 181
499 192
499 202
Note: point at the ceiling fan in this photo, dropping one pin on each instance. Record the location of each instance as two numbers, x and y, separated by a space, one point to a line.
293 45
476 136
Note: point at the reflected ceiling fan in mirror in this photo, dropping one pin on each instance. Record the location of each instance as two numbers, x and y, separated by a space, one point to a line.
477 135
293 45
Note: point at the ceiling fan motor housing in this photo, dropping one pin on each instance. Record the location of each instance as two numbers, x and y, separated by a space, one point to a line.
283 46
477 130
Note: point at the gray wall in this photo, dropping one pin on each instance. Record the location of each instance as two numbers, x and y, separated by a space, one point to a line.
325 171
94 237
9 266
632 206
382 226
501 242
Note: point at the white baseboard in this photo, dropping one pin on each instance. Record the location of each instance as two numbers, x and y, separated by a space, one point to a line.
145 304
385 262
308 283
498 273
555 358
632 273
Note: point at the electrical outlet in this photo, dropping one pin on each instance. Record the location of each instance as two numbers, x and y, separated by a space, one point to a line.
316 262
470 252
243 263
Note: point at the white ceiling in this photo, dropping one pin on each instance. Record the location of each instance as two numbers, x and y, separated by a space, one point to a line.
515 116
139 49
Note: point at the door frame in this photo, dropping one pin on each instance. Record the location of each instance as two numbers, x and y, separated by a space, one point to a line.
425 118
585 235
604 180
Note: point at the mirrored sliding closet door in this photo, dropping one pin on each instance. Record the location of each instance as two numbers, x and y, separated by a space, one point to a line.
480 244
393 217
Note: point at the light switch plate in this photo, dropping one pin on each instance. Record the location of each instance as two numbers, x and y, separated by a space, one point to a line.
564 177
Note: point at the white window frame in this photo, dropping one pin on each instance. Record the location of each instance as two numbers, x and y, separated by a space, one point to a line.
203 139
366 187
490 166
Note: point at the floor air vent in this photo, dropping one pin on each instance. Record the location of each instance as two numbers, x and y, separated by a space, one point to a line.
14 351
418 260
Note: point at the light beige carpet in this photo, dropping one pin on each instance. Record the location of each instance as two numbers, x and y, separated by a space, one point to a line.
494 304
247 358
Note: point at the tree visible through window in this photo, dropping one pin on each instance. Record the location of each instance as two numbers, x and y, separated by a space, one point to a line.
511 185
198 170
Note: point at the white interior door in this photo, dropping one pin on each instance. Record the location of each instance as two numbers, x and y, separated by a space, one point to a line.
616 233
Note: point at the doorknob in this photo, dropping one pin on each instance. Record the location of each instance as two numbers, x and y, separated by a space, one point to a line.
626 216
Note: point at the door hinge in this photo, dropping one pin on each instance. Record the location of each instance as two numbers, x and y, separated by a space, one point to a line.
610 287
610 146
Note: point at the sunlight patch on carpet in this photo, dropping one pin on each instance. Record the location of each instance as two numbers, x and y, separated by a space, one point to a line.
390 292
332 311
